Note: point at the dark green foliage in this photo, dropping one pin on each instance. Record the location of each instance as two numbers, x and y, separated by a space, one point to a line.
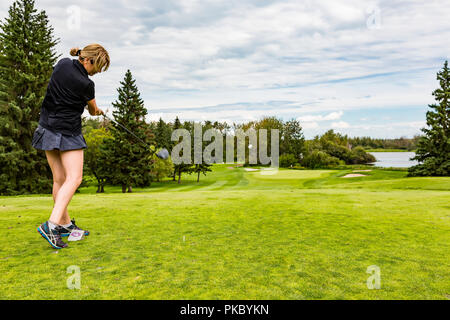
124 159
320 159
433 149
269 124
288 160
27 57
334 137
181 168
202 167
163 132
336 146
336 150
360 156
292 139
398 143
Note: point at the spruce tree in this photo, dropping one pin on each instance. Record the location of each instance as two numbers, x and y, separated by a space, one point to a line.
176 125
162 135
433 149
183 167
202 167
27 57
125 160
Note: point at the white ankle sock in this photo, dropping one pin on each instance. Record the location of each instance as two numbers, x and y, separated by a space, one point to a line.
52 225
66 225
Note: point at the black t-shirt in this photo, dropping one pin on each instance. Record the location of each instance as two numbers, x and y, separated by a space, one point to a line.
67 94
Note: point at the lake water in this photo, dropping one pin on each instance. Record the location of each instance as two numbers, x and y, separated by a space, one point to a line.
394 159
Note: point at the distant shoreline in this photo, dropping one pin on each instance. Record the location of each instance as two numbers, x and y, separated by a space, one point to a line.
388 150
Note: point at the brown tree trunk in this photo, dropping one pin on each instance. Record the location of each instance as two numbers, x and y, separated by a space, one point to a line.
179 176
99 183
198 176
130 189
124 188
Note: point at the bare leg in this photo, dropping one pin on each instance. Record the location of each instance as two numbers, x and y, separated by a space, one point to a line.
72 162
66 217
59 176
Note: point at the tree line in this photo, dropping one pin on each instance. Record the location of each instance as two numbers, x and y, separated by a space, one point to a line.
27 57
402 143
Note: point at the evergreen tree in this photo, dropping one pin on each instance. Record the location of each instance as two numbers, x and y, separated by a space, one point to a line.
27 57
162 135
433 149
202 167
124 159
176 125
182 167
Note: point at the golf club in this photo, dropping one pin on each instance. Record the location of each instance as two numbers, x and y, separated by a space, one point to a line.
162 154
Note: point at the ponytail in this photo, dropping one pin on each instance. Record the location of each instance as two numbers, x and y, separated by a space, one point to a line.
96 53
75 52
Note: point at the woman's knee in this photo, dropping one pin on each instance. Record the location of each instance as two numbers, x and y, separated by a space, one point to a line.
59 180
74 180
54 160
73 164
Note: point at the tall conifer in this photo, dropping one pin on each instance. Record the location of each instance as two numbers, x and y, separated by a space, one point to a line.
126 160
433 149
27 57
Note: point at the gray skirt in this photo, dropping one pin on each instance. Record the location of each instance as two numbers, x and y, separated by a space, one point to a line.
45 139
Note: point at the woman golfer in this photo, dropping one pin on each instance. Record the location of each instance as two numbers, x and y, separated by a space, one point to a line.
59 132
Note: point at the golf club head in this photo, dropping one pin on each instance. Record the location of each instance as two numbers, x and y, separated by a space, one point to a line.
163 154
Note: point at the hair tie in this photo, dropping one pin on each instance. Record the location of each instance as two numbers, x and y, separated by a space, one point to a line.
78 52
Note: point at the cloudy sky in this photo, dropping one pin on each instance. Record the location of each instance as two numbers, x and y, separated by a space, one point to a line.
360 67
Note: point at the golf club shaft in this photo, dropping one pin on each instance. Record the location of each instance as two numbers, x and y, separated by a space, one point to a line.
162 154
126 129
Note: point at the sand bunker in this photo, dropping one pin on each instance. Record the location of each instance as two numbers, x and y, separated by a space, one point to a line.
362 170
249 169
353 175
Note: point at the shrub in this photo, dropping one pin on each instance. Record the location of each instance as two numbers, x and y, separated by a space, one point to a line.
288 160
161 168
320 159
359 155
337 151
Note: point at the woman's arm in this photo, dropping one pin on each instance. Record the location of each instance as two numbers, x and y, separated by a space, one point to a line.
93 109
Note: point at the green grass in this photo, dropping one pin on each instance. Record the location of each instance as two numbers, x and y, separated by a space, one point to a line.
297 234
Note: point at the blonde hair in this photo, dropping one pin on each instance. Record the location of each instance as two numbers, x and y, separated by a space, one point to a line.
96 53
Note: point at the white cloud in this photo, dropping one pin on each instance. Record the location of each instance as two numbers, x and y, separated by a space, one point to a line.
319 55
340 125
309 125
330 116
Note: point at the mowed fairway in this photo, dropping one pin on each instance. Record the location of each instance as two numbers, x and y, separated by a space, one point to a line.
297 234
